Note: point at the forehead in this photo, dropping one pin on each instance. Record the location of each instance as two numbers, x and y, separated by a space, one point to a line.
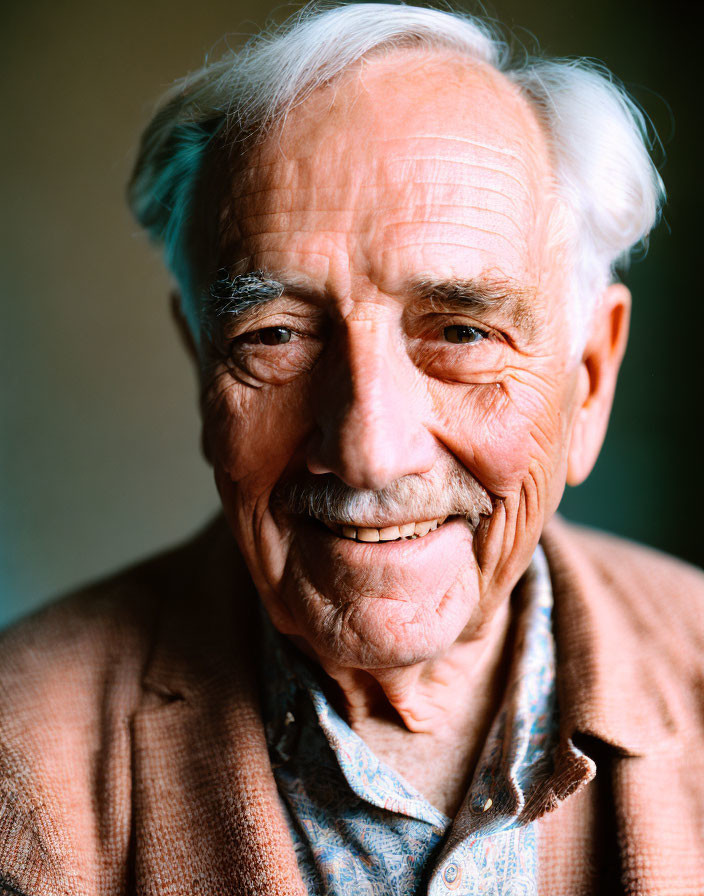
416 159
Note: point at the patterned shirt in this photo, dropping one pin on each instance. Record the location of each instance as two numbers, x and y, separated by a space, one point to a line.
359 828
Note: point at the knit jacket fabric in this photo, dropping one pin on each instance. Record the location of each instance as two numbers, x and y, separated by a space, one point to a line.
133 758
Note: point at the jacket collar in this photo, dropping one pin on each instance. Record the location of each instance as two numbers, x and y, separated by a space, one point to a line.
612 685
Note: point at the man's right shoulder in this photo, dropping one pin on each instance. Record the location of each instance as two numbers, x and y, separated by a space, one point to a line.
58 665
72 680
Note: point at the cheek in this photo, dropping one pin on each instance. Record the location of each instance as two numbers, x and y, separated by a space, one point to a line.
505 433
252 434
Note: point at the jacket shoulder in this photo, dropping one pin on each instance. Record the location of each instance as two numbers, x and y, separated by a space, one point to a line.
70 683
602 545
75 642
662 594
62 660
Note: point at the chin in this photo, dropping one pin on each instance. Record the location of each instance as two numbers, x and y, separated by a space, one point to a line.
377 631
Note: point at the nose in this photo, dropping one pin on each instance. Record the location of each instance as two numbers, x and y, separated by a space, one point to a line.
369 407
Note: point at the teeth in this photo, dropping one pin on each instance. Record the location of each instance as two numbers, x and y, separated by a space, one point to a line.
391 533
368 534
423 528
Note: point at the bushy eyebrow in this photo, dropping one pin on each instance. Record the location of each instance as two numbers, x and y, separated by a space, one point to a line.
478 296
235 295
230 297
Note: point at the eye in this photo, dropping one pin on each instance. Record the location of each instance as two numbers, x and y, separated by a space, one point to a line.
273 355
270 336
461 333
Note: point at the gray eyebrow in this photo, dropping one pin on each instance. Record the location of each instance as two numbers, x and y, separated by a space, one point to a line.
229 297
235 295
479 296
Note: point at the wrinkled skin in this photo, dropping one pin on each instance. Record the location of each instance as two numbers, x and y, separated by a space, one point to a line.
416 165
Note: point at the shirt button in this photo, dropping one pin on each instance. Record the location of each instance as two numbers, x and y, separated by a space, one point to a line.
481 804
452 876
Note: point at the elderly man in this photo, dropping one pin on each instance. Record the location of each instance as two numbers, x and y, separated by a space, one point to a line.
389 671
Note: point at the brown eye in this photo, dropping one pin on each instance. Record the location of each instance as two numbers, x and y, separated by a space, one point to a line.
274 335
460 333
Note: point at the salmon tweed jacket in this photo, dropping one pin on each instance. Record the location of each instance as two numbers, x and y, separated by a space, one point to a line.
133 758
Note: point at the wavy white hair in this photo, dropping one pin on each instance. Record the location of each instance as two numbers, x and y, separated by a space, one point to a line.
598 135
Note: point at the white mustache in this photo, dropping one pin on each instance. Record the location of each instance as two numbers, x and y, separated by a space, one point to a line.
414 497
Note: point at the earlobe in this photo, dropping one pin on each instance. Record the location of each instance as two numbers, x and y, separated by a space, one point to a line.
596 381
575 460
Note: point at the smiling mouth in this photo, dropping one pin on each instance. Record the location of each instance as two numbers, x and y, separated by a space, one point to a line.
369 535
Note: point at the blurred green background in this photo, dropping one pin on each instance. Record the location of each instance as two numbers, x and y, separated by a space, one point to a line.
100 462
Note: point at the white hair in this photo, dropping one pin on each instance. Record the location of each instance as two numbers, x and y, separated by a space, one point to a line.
598 136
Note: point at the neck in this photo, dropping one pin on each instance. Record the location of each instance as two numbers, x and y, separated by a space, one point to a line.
460 688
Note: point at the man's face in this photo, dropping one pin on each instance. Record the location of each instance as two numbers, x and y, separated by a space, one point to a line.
418 359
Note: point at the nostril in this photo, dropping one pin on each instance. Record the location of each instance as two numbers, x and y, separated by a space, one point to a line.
317 468
372 461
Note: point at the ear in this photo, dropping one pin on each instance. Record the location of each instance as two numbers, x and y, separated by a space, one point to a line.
596 383
184 331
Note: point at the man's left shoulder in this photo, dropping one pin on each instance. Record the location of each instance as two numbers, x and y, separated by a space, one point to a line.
614 552
656 588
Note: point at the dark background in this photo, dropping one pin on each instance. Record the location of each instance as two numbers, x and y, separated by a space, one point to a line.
99 430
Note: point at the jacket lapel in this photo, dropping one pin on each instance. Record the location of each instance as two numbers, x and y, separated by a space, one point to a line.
622 682
207 814
610 683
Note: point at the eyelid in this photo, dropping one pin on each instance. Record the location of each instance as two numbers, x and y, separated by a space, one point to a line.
437 323
257 363
270 318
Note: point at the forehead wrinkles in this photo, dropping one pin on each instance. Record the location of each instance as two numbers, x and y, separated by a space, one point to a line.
432 166
347 162
403 202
